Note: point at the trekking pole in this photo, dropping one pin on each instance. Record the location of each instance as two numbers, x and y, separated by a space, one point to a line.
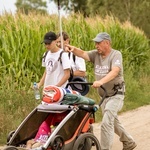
60 24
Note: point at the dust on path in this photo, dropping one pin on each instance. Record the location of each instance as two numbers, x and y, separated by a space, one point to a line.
137 123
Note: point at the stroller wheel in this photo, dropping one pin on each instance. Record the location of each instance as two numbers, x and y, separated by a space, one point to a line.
10 148
87 141
57 143
10 135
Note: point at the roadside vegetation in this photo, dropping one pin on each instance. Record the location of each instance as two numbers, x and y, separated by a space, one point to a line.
21 53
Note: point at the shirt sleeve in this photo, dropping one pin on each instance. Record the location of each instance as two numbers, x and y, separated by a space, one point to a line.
91 55
117 60
80 64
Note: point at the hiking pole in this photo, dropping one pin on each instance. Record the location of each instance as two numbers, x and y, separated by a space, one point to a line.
60 24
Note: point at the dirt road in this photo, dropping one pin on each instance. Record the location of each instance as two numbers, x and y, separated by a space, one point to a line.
137 123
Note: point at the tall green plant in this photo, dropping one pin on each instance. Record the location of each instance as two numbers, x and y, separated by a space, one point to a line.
22 50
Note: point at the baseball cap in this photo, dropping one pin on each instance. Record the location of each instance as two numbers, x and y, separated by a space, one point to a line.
49 37
102 36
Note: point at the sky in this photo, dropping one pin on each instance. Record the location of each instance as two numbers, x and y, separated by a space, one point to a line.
9 6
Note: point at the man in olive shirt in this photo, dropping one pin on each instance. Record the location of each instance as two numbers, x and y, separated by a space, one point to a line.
108 69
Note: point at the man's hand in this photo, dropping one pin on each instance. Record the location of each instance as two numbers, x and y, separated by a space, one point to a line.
97 84
69 48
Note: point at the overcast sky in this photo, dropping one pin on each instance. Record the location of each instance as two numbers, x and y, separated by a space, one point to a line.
9 6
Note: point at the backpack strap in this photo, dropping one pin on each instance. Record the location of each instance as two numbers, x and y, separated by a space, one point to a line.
44 56
71 75
71 70
74 58
59 59
69 55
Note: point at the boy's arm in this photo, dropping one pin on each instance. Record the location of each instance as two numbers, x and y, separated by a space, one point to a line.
41 83
79 73
64 78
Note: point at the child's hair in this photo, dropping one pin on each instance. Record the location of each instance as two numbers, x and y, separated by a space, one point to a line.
64 35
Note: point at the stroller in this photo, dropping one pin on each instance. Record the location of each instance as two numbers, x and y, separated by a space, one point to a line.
73 127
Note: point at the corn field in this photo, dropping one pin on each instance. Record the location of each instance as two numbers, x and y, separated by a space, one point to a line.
21 53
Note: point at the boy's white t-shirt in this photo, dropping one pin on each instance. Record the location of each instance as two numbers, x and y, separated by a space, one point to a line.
55 68
79 63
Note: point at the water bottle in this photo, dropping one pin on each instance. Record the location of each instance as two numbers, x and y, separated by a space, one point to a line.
36 91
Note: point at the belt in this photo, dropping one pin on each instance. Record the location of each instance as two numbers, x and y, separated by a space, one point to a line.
119 93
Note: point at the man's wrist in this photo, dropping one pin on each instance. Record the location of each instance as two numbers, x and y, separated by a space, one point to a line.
101 83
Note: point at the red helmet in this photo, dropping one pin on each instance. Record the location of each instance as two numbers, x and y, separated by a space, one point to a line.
52 94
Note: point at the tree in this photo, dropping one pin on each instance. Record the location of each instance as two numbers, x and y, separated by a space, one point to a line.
27 6
137 12
73 5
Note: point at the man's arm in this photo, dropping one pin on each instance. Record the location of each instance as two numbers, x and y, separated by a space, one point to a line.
41 83
110 76
77 51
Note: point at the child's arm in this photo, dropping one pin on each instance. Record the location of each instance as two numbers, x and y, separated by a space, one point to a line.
64 78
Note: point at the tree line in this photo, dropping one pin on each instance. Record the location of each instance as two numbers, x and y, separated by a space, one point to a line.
136 12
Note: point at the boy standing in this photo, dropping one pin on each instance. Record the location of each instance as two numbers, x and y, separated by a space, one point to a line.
56 72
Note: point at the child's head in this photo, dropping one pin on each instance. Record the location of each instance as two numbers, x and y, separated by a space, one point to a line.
65 39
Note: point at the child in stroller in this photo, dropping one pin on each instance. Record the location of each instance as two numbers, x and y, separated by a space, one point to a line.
45 130
40 138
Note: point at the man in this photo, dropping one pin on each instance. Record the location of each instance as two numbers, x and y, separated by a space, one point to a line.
108 69
56 72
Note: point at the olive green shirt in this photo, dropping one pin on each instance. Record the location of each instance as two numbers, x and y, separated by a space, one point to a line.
102 66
